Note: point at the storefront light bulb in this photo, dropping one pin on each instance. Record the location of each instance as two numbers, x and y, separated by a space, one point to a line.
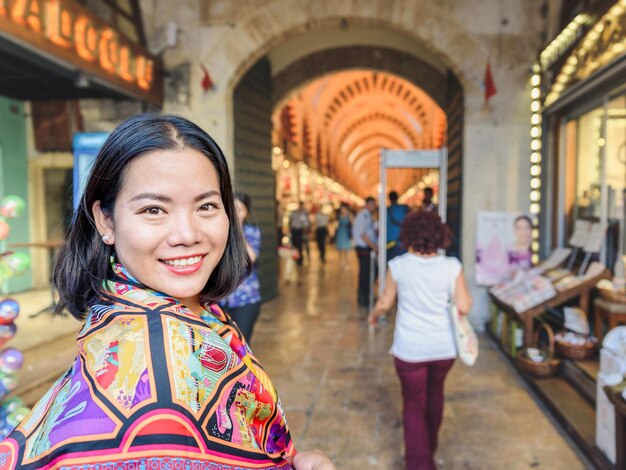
535 132
535 157
535 196
535 183
535 170
285 164
535 258
535 93
534 208
534 106
535 80
535 119
534 246
535 144
535 233
601 142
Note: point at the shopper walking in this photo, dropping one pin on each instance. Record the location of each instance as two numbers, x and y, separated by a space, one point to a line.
321 233
244 304
427 203
298 225
395 217
343 235
364 237
422 281
163 378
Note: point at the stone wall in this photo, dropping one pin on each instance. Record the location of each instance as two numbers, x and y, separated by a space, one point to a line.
460 35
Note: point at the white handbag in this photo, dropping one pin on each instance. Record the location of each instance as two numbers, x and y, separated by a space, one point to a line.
465 337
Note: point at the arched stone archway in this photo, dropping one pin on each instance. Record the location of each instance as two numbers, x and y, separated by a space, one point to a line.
455 36
252 137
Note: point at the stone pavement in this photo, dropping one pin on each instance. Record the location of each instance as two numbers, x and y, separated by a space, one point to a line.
339 388
341 395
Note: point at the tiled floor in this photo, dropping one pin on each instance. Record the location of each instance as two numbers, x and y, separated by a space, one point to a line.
339 388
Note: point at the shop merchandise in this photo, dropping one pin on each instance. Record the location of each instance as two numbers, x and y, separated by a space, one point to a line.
12 409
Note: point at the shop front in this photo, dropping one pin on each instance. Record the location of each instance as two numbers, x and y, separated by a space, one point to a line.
52 55
578 199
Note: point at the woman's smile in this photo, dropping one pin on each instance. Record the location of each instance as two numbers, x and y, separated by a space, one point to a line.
184 265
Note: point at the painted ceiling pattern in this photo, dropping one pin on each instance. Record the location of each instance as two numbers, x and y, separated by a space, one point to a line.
339 123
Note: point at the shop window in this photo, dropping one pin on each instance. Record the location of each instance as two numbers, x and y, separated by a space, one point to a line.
589 166
616 176
596 146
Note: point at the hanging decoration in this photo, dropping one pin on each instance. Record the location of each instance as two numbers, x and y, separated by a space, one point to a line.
206 83
12 409
489 84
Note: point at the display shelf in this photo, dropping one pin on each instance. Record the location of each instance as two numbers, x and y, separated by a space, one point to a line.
526 318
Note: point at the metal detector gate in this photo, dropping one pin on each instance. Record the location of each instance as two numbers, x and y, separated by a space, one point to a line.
406 159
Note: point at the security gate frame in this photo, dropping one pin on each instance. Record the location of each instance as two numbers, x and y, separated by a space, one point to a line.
406 159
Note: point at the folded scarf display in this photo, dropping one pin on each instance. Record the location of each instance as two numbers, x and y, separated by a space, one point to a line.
154 386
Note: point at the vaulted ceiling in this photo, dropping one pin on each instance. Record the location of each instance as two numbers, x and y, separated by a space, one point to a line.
339 123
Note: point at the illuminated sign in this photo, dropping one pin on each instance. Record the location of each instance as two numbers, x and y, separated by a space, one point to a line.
69 31
603 43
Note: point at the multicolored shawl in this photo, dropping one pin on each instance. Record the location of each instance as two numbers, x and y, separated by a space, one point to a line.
154 386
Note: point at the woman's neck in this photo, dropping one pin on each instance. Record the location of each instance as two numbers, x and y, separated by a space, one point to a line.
423 255
193 304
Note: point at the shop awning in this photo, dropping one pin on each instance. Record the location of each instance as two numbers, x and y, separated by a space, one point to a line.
27 76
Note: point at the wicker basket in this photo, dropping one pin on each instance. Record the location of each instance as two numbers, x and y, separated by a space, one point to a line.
575 351
546 368
618 296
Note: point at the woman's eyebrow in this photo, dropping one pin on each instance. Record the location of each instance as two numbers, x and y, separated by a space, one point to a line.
164 198
153 196
207 195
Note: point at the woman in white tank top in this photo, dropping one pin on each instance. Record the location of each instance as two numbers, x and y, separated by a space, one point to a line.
422 282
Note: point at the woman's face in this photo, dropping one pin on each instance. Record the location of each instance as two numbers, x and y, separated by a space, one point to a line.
242 211
169 226
523 232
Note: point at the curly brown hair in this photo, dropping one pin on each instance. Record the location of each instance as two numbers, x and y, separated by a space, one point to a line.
424 232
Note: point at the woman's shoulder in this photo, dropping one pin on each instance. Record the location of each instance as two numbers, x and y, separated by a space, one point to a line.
454 263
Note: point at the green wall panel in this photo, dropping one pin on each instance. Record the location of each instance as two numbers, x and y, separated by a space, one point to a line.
14 181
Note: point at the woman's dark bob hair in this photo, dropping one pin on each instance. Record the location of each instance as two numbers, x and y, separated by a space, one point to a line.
424 232
83 261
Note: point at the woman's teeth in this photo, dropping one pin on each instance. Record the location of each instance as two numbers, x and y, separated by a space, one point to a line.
183 261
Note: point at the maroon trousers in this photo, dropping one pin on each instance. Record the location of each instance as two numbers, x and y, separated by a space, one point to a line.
422 409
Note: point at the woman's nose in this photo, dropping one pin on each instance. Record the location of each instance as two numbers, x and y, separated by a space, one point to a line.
184 230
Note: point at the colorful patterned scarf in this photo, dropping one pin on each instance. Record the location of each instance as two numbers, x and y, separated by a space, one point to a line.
155 386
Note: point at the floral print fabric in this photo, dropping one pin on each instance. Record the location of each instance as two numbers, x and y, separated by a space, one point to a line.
154 386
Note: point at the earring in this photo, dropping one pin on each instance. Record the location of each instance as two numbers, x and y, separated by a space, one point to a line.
105 239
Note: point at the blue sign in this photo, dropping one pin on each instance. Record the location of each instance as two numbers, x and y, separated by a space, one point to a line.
86 147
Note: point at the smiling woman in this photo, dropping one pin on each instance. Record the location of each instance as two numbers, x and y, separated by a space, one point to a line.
163 378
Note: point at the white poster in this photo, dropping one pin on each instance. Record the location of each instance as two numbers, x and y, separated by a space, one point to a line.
502 246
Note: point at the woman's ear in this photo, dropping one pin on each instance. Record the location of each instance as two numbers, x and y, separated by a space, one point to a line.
104 224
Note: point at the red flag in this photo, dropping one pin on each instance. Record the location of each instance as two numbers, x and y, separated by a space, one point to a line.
490 86
206 83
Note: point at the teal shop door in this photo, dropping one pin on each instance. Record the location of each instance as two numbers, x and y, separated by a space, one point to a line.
14 180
